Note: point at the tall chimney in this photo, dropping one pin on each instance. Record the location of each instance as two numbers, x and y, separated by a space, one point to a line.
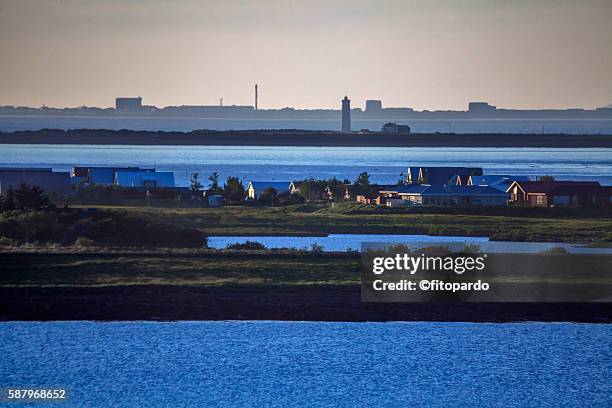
255 96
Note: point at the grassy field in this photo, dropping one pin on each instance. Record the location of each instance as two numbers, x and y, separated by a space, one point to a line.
91 269
322 219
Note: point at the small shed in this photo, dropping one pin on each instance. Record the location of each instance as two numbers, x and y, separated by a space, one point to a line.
215 200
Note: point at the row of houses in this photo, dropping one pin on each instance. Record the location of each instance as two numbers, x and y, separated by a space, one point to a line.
61 182
123 177
459 186
422 186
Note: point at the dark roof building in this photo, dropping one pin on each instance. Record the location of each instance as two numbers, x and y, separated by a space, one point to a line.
394 128
51 182
559 193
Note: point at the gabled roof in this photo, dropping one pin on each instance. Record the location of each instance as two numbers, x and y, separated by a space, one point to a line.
412 175
279 186
446 175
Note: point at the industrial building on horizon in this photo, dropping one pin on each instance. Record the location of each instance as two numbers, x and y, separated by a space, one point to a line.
373 110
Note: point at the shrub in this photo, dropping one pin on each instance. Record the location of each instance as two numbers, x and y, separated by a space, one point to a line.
247 246
84 242
316 248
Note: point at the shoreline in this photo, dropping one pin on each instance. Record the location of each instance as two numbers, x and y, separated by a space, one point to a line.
331 303
297 138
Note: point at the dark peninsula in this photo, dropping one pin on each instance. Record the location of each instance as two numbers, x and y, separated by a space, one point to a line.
302 138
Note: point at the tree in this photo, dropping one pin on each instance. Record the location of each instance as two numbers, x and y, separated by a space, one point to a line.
28 197
214 183
268 196
363 179
234 190
195 182
547 178
402 179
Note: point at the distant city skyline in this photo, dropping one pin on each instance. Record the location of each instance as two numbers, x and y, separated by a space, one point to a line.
433 55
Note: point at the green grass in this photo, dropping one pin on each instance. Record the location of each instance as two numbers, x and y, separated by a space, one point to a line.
100 270
321 219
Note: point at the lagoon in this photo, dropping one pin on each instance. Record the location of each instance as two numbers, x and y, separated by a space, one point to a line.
354 242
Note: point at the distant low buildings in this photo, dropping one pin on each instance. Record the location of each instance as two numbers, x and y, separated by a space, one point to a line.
128 105
373 106
481 108
394 128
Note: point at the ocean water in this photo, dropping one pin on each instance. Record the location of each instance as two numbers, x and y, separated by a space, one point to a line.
265 163
10 123
310 364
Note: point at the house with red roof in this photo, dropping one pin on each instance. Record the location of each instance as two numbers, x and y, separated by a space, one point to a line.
559 193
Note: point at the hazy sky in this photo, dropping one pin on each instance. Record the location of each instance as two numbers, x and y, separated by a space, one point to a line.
424 54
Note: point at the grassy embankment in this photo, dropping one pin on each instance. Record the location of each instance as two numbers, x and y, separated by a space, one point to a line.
321 219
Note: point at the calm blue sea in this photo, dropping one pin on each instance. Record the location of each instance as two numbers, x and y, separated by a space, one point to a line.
384 164
282 364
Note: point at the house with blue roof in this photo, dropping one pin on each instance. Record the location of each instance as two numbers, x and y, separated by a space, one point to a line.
50 181
100 175
144 179
497 181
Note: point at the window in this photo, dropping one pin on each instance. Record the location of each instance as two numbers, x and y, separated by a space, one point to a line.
539 200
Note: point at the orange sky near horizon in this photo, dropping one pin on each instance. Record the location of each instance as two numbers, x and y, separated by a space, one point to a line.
437 54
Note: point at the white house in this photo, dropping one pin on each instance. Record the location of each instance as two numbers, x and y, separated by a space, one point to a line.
255 188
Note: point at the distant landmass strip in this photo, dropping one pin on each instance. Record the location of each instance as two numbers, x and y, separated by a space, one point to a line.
301 138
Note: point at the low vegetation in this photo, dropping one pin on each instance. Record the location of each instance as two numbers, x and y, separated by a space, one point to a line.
27 216
323 219
95 269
